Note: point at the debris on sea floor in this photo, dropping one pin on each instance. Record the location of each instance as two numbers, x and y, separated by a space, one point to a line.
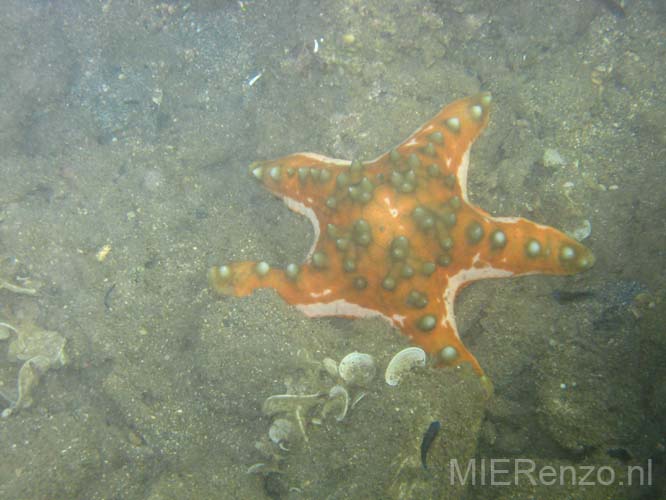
337 404
293 413
21 290
39 350
285 403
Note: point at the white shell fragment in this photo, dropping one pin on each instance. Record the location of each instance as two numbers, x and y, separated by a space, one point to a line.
255 78
337 404
256 468
331 367
357 368
6 330
287 403
403 362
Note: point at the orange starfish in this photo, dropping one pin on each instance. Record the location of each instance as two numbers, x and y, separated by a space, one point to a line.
397 236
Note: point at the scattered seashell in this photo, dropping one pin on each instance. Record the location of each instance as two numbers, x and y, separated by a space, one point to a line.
358 399
280 432
331 367
552 158
30 342
286 403
264 469
256 468
255 78
403 362
5 330
301 423
16 288
582 231
357 368
28 378
338 403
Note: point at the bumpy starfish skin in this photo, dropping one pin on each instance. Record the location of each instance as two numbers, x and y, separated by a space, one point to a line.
397 236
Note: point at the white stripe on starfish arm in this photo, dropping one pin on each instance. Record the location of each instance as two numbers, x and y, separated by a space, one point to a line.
462 174
325 159
302 209
341 307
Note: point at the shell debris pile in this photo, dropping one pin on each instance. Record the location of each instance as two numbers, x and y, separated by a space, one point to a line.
351 378
39 351
294 413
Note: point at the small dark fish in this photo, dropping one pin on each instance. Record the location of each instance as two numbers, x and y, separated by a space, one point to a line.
620 453
428 438
565 297
107 296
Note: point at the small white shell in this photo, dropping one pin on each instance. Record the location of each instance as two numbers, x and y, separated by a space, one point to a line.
357 368
404 361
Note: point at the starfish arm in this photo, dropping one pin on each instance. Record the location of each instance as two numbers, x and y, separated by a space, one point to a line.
534 248
508 246
441 146
313 290
316 292
304 181
442 341
445 345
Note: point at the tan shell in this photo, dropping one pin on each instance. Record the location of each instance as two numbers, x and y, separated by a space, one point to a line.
357 368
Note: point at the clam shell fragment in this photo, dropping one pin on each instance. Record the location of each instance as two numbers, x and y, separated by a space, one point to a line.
337 404
402 363
357 368
330 366
6 330
287 403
